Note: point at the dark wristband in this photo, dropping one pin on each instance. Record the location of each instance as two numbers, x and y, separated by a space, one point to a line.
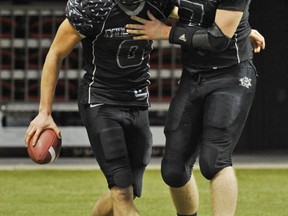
182 36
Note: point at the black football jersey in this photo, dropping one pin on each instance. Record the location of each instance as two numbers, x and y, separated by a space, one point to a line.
202 13
117 67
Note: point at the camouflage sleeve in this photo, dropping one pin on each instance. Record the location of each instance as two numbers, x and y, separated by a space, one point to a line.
88 16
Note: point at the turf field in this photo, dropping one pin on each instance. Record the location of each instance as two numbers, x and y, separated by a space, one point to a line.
262 192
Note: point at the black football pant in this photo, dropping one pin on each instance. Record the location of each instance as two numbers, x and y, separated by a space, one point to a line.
206 116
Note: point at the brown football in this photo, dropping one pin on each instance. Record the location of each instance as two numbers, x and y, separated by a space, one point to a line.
47 148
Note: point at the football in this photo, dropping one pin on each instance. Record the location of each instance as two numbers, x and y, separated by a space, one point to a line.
47 148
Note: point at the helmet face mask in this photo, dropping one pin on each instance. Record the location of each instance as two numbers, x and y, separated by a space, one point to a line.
130 2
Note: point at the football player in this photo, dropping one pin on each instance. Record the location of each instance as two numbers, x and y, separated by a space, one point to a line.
213 100
113 94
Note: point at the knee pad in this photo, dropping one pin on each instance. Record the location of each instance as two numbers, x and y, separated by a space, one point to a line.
122 179
207 162
114 161
211 163
174 173
208 170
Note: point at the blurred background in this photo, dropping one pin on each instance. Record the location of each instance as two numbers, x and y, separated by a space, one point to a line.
27 28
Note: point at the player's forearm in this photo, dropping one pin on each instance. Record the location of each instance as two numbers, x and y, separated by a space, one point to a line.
215 38
210 39
48 82
64 42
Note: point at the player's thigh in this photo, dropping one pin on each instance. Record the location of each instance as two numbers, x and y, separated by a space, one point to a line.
139 139
105 133
139 144
107 140
183 129
227 107
225 115
183 124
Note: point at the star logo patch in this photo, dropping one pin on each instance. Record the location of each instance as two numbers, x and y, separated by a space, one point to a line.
183 37
245 82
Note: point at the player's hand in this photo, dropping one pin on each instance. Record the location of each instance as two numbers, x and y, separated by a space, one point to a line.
37 125
257 40
152 29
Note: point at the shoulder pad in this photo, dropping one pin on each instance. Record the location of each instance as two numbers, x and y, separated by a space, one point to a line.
87 16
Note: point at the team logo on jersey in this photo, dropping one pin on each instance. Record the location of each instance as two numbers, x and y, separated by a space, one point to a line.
183 38
245 82
141 94
116 33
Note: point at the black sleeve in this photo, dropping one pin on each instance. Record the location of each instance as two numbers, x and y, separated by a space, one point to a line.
87 17
208 39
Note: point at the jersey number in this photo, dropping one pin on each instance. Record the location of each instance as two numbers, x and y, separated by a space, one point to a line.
196 10
132 53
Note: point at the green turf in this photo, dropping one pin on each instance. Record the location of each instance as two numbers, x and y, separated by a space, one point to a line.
262 192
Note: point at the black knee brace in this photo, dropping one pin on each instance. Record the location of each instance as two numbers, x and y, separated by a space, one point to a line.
207 163
211 164
174 174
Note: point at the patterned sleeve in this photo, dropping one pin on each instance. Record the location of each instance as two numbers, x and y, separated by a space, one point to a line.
234 5
88 16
